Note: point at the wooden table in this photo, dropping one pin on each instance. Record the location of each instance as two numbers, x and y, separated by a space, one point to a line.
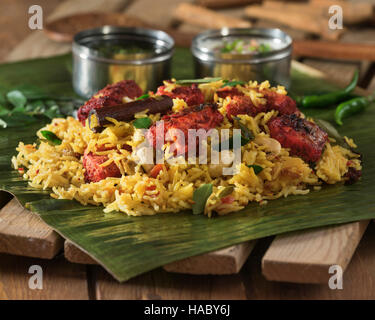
64 280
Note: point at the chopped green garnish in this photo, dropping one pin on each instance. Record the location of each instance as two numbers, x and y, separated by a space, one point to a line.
200 197
230 46
226 191
245 132
16 98
257 169
239 47
142 123
51 137
144 96
53 112
232 83
191 81
264 47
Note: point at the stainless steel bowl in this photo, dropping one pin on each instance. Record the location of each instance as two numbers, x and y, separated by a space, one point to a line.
273 65
96 64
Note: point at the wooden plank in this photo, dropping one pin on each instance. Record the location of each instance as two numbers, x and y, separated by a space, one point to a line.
305 257
24 233
334 49
206 18
75 255
358 279
13 24
161 285
341 72
161 11
296 34
226 261
37 45
299 20
354 11
61 280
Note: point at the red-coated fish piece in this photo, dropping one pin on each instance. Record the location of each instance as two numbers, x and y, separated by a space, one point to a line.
191 95
304 138
111 95
94 172
199 117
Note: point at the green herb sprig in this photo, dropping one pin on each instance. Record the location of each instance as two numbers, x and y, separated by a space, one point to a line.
142 123
257 169
51 137
28 105
200 197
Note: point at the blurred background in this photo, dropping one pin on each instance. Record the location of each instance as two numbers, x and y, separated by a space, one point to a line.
315 44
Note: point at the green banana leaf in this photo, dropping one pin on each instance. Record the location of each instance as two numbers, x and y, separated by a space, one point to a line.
128 246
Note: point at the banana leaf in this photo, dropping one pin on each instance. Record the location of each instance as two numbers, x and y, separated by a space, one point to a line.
128 246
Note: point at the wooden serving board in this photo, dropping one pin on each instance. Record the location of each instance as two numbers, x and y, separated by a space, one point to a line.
286 251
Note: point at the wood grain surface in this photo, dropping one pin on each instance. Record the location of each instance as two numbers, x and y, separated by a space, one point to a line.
24 233
304 21
358 280
61 280
38 45
305 257
226 261
206 18
76 255
161 285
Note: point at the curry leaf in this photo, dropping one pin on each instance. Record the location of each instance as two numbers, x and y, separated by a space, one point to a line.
16 98
51 137
245 132
233 83
257 169
3 111
53 112
200 197
142 123
144 96
226 191
18 119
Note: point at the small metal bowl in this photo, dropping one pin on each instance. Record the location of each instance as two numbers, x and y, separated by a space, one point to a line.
109 54
273 65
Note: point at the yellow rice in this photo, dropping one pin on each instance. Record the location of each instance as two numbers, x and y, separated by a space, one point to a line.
60 168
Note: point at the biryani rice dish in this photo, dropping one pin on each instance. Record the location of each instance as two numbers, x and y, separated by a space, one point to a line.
282 152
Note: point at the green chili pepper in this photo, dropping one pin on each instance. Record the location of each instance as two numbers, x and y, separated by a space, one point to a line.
352 106
328 99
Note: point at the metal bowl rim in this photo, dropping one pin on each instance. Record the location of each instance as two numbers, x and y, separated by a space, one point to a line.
273 55
85 52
